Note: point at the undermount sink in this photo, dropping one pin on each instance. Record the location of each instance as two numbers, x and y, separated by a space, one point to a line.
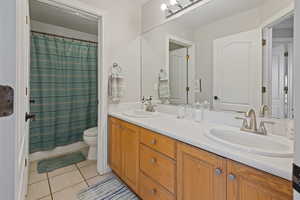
140 113
272 146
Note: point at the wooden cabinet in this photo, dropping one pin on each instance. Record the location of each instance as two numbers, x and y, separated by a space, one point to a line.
115 151
246 183
200 175
130 155
160 168
124 151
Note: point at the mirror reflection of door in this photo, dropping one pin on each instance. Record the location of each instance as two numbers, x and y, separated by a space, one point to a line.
178 72
280 91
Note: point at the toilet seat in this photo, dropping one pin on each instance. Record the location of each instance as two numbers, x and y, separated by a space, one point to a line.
91 132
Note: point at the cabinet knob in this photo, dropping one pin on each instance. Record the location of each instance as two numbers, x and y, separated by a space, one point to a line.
231 177
153 191
153 141
153 160
218 171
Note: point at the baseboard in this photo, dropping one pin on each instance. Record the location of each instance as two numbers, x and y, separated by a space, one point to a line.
57 151
104 171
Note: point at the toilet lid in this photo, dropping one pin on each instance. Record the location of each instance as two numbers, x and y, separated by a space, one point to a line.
91 132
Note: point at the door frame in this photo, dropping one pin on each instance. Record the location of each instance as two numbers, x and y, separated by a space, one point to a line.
266 30
102 165
189 44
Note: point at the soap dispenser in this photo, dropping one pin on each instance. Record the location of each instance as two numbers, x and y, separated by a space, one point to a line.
198 112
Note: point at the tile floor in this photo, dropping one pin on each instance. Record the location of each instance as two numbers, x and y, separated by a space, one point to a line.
63 183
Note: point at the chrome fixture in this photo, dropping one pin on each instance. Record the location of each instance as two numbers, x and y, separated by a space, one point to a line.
149 107
252 127
176 6
264 109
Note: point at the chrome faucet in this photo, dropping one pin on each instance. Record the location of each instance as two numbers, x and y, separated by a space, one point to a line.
252 127
264 109
149 105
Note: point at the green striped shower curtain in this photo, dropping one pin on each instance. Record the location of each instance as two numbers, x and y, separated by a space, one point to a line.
63 84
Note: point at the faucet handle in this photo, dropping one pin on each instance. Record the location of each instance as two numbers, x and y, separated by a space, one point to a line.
262 127
245 121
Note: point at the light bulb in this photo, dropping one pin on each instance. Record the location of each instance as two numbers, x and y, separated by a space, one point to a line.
173 2
163 7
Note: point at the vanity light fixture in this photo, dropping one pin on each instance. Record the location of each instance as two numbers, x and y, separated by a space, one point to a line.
182 5
175 2
165 7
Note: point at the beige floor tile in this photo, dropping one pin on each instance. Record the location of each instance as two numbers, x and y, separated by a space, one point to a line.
86 163
61 171
38 190
97 179
89 171
69 193
60 182
35 177
33 166
46 198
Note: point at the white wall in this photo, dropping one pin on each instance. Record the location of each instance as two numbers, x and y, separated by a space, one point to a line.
207 34
58 30
122 27
7 77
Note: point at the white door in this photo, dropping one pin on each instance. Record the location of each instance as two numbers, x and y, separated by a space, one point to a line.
23 55
238 71
278 76
178 76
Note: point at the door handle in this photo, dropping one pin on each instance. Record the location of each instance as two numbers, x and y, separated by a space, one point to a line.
29 116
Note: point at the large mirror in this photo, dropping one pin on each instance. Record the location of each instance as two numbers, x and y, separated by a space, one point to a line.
235 54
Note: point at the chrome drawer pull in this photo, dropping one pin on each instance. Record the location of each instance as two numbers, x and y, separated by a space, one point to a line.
218 171
153 141
153 191
231 177
153 160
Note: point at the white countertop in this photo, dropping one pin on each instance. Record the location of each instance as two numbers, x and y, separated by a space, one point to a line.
193 133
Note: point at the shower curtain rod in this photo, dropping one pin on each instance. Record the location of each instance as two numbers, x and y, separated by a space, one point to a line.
50 34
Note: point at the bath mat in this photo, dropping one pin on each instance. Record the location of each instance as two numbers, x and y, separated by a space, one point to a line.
52 164
110 188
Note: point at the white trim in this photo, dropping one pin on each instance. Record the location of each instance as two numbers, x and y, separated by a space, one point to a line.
192 46
75 4
58 151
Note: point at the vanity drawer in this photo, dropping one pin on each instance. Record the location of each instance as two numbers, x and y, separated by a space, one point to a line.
158 167
159 142
150 190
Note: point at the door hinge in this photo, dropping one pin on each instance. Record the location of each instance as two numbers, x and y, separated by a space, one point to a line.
286 90
187 57
286 54
264 42
264 89
187 89
27 20
25 162
26 91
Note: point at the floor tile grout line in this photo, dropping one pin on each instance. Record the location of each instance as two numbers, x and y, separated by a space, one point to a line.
50 187
82 175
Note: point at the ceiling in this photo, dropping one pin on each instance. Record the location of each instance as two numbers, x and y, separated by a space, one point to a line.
216 10
59 17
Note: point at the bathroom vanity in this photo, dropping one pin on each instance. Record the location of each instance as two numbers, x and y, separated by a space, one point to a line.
164 158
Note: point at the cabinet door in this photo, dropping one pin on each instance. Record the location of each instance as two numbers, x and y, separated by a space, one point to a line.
130 155
115 153
201 175
246 183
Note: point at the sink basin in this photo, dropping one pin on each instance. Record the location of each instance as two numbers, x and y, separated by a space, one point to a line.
140 114
272 146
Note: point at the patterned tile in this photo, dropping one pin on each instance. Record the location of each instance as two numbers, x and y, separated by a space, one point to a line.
69 193
63 181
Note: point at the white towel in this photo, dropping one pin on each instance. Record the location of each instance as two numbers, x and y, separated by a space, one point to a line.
163 89
116 87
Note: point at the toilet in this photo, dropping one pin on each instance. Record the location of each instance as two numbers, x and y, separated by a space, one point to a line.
90 138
